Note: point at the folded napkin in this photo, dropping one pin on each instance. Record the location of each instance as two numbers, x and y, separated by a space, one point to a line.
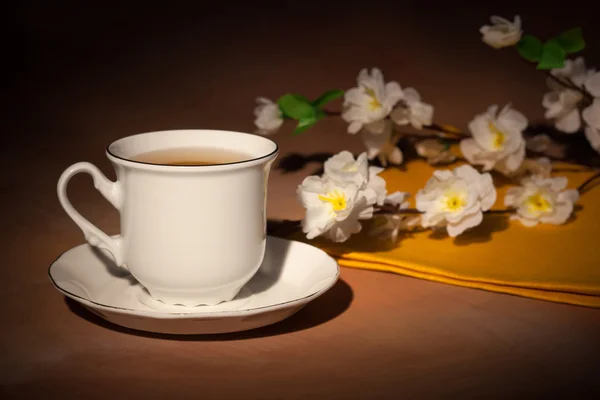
555 263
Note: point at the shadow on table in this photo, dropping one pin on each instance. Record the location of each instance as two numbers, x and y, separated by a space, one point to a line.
482 233
294 162
323 309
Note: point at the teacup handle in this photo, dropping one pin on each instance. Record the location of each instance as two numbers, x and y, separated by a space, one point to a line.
110 190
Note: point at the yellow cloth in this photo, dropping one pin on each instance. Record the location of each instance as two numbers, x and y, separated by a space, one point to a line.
556 263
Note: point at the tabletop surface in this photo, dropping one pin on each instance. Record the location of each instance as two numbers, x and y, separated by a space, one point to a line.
85 77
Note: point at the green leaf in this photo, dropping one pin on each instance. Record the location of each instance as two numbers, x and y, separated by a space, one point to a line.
571 41
304 124
299 97
327 97
530 48
553 55
296 106
319 114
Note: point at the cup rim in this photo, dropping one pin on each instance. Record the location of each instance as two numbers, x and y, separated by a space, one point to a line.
130 162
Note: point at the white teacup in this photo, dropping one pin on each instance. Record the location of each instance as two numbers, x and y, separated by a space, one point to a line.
191 235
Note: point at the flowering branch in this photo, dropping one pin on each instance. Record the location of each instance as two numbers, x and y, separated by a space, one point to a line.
455 200
376 108
575 89
350 191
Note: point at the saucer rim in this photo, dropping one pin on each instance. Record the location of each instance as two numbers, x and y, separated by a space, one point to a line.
197 313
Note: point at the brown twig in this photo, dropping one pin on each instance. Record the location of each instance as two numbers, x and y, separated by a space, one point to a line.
574 170
392 209
565 160
432 127
568 83
582 188
424 136
500 211
396 210
571 85
440 128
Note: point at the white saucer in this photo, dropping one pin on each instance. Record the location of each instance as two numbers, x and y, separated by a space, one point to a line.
291 275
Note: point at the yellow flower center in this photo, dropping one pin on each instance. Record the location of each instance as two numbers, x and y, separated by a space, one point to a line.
336 198
454 202
373 103
499 136
538 203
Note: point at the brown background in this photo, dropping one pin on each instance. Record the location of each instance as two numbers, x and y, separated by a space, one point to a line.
82 76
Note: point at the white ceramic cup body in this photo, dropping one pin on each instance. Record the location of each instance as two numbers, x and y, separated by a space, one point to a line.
190 235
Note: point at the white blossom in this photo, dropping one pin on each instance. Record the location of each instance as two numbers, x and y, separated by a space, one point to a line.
333 209
502 32
497 141
383 145
591 114
268 116
456 199
539 143
561 103
370 102
592 83
541 200
412 110
561 106
388 226
398 199
434 151
544 144
344 195
343 168
377 184
541 167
